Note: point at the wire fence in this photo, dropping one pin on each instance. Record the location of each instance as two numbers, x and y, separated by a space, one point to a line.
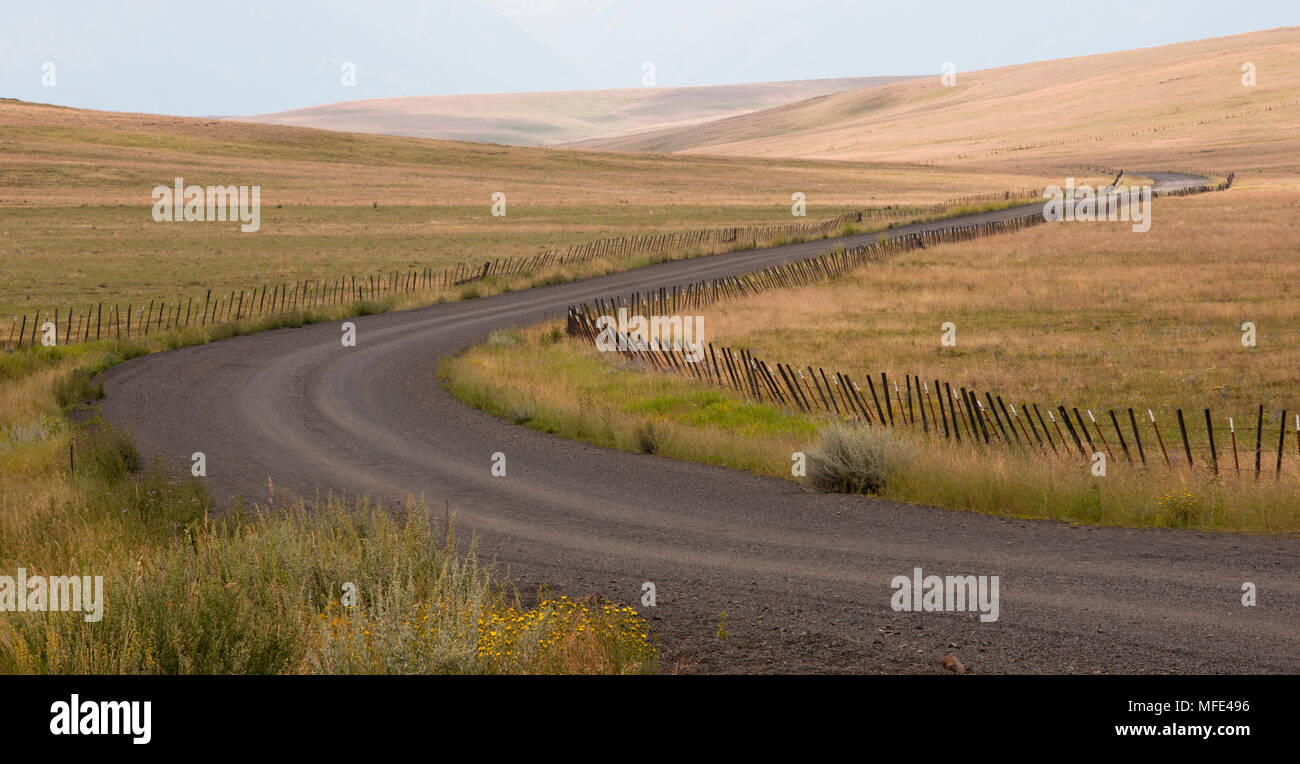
99 320
927 404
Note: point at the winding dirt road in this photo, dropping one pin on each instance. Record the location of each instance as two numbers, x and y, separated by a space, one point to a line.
804 578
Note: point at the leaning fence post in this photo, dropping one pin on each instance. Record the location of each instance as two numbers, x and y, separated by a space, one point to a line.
1259 439
1065 417
1214 455
1132 420
911 414
1084 428
1043 424
1017 419
1159 438
956 422
973 426
1010 425
977 410
943 414
1114 421
884 387
876 400
1281 438
1187 447
1101 434
929 401
1236 463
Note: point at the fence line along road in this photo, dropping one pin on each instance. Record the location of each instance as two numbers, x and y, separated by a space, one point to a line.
99 321
959 414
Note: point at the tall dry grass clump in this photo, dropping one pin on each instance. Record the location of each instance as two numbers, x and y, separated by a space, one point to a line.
269 591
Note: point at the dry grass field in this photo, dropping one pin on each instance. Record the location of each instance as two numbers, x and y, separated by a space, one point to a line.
76 201
1087 315
1175 106
538 119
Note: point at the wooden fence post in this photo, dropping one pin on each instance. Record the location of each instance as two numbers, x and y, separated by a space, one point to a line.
1214 454
1187 448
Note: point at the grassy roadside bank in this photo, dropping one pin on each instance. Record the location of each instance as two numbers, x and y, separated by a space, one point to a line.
538 378
259 589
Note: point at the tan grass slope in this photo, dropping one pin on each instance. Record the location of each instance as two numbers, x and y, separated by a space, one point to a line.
538 119
1171 105
76 199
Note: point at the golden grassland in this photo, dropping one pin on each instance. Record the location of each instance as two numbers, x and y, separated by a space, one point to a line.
76 202
174 290
1089 314
1085 313
1174 106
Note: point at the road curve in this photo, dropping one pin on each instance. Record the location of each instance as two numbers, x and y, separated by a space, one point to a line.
803 578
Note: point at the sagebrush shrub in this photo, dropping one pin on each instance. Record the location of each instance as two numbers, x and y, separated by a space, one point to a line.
854 460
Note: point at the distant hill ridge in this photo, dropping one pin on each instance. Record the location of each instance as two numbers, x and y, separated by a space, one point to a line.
540 119
1165 103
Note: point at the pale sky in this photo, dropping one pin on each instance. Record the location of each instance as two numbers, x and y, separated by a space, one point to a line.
256 56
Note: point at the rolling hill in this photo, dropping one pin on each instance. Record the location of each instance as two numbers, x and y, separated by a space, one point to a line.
76 223
536 119
1163 106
